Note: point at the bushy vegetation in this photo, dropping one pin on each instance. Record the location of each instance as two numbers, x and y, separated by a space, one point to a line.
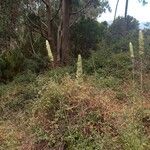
98 100
56 112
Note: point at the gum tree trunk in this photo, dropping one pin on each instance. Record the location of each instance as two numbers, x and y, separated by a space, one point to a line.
63 33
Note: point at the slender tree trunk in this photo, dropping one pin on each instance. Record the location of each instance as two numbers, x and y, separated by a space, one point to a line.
125 16
116 9
59 41
126 9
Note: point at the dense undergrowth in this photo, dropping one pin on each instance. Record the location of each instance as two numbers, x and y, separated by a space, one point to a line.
103 104
52 110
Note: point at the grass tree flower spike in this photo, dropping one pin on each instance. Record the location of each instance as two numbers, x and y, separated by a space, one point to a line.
141 52
132 57
131 50
50 55
79 72
141 43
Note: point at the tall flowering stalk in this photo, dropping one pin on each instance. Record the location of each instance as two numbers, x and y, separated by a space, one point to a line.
79 71
132 57
141 53
49 51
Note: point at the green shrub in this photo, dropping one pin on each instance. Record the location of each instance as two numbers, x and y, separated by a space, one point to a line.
85 35
14 62
98 60
106 82
132 138
25 77
35 64
107 64
58 73
120 66
10 64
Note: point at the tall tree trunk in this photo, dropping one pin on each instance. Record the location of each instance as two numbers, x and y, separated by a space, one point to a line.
48 10
126 9
63 33
59 43
116 9
59 38
50 35
125 15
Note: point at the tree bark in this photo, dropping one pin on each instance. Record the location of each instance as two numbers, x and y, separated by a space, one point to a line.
125 16
50 35
59 43
63 33
116 9
126 9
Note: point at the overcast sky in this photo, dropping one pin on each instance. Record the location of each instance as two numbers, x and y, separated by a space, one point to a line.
135 9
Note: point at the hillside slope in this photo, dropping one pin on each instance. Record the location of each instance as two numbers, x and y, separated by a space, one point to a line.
52 111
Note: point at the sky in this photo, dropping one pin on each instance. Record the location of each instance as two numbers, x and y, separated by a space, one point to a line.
135 9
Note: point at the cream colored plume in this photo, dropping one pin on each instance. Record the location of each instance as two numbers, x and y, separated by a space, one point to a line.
141 43
79 67
50 55
131 50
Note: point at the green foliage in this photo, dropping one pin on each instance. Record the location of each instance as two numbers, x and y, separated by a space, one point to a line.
95 8
121 96
44 107
11 63
35 64
106 64
118 27
14 62
106 82
85 36
97 61
2 66
121 32
48 102
25 77
53 112
58 73
131 138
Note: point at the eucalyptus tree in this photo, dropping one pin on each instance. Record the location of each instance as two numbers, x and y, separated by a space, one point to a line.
9 14
51 19
56 19
116 9
127 3
144 2
126 8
